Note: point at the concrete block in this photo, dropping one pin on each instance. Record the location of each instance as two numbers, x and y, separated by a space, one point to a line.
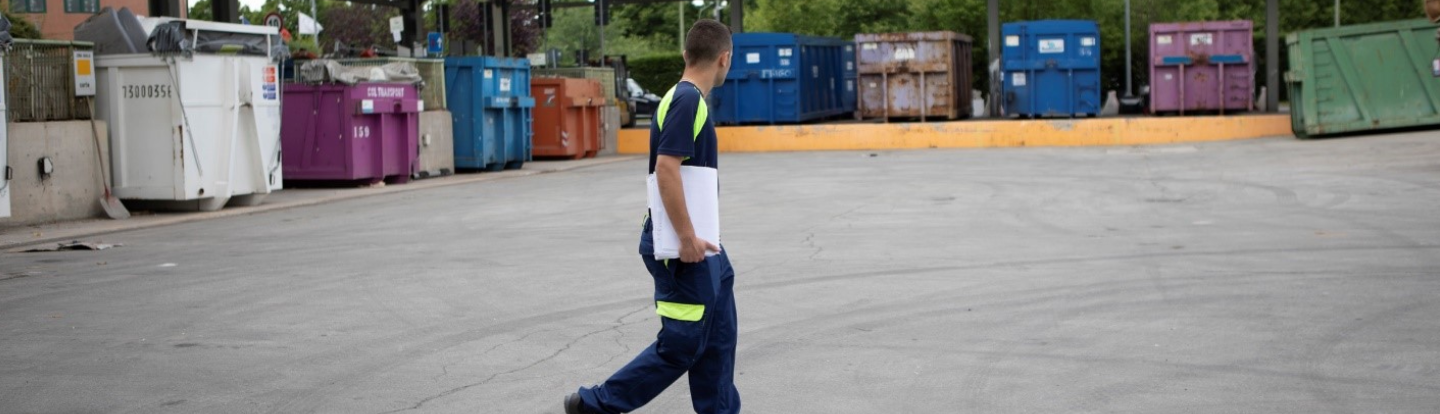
73 190
610 118
437 145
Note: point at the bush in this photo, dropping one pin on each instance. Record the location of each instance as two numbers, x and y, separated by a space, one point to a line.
657 73
21 28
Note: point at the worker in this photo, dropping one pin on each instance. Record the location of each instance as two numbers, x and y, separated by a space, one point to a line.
694 292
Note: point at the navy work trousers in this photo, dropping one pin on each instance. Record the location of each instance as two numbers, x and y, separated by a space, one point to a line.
704 348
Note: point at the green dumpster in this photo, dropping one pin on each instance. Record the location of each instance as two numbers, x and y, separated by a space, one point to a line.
1363 77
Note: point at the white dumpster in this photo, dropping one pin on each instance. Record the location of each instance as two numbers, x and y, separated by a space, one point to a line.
203 129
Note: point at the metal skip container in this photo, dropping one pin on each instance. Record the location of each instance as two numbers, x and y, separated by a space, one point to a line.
610 80
195 127
1202 66
567 117
432 71
437 141
778 78
1051 68
1364 77
490 103
914 75
367 132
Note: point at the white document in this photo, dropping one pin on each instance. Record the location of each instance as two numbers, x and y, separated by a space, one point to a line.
702 199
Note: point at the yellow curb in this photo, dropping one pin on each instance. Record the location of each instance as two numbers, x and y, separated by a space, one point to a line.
983 134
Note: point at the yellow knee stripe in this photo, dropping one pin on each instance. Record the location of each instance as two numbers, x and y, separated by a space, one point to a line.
679 311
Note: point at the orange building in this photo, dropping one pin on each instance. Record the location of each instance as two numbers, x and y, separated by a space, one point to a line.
57 19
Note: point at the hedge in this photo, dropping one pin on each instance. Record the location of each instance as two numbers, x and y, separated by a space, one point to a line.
657 73
20 28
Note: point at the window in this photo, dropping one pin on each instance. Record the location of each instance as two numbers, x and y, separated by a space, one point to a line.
27 6
82 6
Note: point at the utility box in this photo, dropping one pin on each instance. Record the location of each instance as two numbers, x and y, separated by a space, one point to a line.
914 75
1202 66
610 123
1051 68
1363 77
195 129
567 117
490 102
437 145
783 78
367 132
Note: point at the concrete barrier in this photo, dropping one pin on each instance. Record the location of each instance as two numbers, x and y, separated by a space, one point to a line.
983 134
72 191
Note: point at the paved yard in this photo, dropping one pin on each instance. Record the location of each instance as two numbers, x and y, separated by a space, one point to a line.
1270 275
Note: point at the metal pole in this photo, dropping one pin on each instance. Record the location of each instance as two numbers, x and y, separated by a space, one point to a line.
993 26
315 15
1337 13
737 16
604 14
1129 88
1272 55
681 34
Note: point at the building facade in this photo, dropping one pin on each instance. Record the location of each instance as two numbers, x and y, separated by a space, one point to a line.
57 19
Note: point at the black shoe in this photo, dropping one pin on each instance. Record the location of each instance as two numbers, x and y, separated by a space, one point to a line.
573 405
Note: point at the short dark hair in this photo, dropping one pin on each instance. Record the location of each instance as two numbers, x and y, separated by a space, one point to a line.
706 41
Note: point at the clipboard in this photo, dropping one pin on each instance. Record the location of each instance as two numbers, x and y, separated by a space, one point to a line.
702 199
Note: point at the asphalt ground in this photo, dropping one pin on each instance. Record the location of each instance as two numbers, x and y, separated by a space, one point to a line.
1269 275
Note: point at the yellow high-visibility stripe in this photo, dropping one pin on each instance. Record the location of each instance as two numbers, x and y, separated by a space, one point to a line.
679 311
701 113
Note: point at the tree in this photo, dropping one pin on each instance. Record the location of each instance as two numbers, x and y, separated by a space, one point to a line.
468 25
21 28
289 10
201 11
357 25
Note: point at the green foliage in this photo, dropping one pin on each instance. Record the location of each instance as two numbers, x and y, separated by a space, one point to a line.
304 44
289 11
657 73
635 30
201 11
357 25
20 28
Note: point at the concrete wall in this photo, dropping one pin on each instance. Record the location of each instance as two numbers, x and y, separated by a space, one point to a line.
73 191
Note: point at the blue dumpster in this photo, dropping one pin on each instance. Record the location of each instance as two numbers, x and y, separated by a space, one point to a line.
778 78
489 100
1051 68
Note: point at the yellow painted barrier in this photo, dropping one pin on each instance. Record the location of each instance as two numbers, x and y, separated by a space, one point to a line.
982 134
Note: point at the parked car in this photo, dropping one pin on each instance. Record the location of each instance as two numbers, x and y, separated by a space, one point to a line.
644 102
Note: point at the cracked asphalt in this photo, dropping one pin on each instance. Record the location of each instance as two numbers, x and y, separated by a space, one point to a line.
1271 275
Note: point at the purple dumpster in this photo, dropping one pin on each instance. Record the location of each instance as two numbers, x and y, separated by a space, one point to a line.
366 132
1202 66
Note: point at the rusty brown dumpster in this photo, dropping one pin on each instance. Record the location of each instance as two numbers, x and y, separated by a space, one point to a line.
915 76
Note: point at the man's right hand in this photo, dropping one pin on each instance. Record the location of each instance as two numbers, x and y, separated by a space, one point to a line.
693 249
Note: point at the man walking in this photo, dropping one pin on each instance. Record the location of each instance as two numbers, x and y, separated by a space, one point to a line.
694 283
